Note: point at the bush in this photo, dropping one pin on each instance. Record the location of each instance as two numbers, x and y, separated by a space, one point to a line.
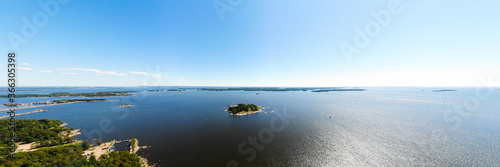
85 145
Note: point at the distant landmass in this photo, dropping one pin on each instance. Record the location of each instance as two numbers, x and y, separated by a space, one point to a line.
170 90
282 89
444 90
254 89
68 94
156 90
47 103
331 90
34 104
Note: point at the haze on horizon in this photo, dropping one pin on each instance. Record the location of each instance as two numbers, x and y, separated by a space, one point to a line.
253 43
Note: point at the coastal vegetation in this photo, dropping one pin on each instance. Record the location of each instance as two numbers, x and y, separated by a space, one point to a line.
243 108
57 147
46 132
68 94
132 144
70 155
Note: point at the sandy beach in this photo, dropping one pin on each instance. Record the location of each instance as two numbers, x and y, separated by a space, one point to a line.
26 147
99 150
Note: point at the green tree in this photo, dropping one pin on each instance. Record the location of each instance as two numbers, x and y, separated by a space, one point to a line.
85 145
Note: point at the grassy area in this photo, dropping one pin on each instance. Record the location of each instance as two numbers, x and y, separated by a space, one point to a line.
68 144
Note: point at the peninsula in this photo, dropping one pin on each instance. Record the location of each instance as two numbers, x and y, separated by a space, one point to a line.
47 103
36 111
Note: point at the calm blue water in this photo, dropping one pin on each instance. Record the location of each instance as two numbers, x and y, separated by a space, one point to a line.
376 127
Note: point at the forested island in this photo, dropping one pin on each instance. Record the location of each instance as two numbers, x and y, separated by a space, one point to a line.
68 94
54 146
244 109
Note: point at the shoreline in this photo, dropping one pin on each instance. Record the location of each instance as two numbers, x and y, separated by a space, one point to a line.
104 148
133 149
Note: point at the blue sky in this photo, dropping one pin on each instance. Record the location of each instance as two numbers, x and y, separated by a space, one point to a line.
253 43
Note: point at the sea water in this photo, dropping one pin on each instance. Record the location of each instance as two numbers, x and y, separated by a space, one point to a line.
376 127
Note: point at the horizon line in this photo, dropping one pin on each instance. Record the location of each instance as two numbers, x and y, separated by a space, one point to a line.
271 86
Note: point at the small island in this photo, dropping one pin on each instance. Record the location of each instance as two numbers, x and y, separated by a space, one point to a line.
243 109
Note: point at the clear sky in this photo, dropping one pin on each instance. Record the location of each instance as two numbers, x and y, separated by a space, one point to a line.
252 42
